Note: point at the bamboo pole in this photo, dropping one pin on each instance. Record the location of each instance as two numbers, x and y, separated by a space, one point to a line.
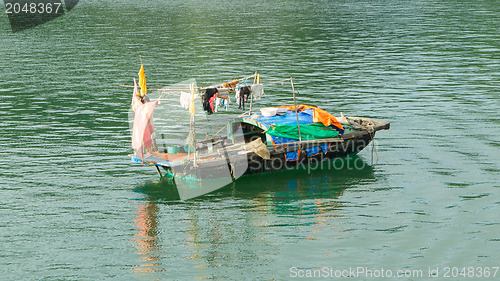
192 125
251 92
296 111
220 130
203 88
157 88
275 82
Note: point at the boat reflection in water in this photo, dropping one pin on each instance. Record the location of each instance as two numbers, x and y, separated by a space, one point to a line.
306 183
324 180
146 238
246 215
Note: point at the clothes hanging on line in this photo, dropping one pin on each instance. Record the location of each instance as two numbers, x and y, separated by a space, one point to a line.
185 99
211 102
225 103
231 84
237 97
208 99
222 102
257 91
218 102
242 96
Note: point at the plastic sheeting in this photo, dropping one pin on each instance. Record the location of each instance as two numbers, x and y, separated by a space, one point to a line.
313 131
319 115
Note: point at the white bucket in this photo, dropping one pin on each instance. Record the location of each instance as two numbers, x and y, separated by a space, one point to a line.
268 111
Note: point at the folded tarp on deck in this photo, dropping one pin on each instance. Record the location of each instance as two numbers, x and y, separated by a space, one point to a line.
319 115
308 132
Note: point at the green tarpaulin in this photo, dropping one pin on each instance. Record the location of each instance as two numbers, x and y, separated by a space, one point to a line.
309 132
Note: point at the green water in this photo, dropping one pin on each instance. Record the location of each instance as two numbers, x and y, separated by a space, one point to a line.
74 208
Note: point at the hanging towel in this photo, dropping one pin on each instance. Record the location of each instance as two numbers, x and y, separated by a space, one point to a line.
237 97
185 99
231 84
258 91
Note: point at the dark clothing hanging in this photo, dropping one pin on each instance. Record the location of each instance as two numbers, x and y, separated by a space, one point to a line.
244 94
209 93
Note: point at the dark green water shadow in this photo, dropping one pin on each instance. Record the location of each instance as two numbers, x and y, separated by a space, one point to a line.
297 184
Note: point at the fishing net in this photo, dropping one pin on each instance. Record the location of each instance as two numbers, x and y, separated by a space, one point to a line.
180 137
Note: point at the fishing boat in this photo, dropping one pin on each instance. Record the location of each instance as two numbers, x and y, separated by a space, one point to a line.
267 139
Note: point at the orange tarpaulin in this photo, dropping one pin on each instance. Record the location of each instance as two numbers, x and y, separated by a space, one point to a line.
319 115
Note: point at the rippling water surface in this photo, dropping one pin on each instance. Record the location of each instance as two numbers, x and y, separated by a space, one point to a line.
74 208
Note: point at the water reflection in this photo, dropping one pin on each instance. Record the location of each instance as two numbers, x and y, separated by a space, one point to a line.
146 238
245 222
303 184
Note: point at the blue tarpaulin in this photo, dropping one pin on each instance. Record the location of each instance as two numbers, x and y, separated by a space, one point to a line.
305 118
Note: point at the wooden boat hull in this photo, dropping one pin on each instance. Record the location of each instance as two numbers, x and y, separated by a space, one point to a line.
336 150
231 166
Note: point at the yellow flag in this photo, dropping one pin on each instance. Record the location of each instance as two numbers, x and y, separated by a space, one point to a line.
142 82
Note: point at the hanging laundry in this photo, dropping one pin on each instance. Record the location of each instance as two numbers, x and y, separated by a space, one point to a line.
185 99
143 130
257 91
244 93
237 97
211 102
219 103
192 109
226 102
208 99
222 101
231 84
